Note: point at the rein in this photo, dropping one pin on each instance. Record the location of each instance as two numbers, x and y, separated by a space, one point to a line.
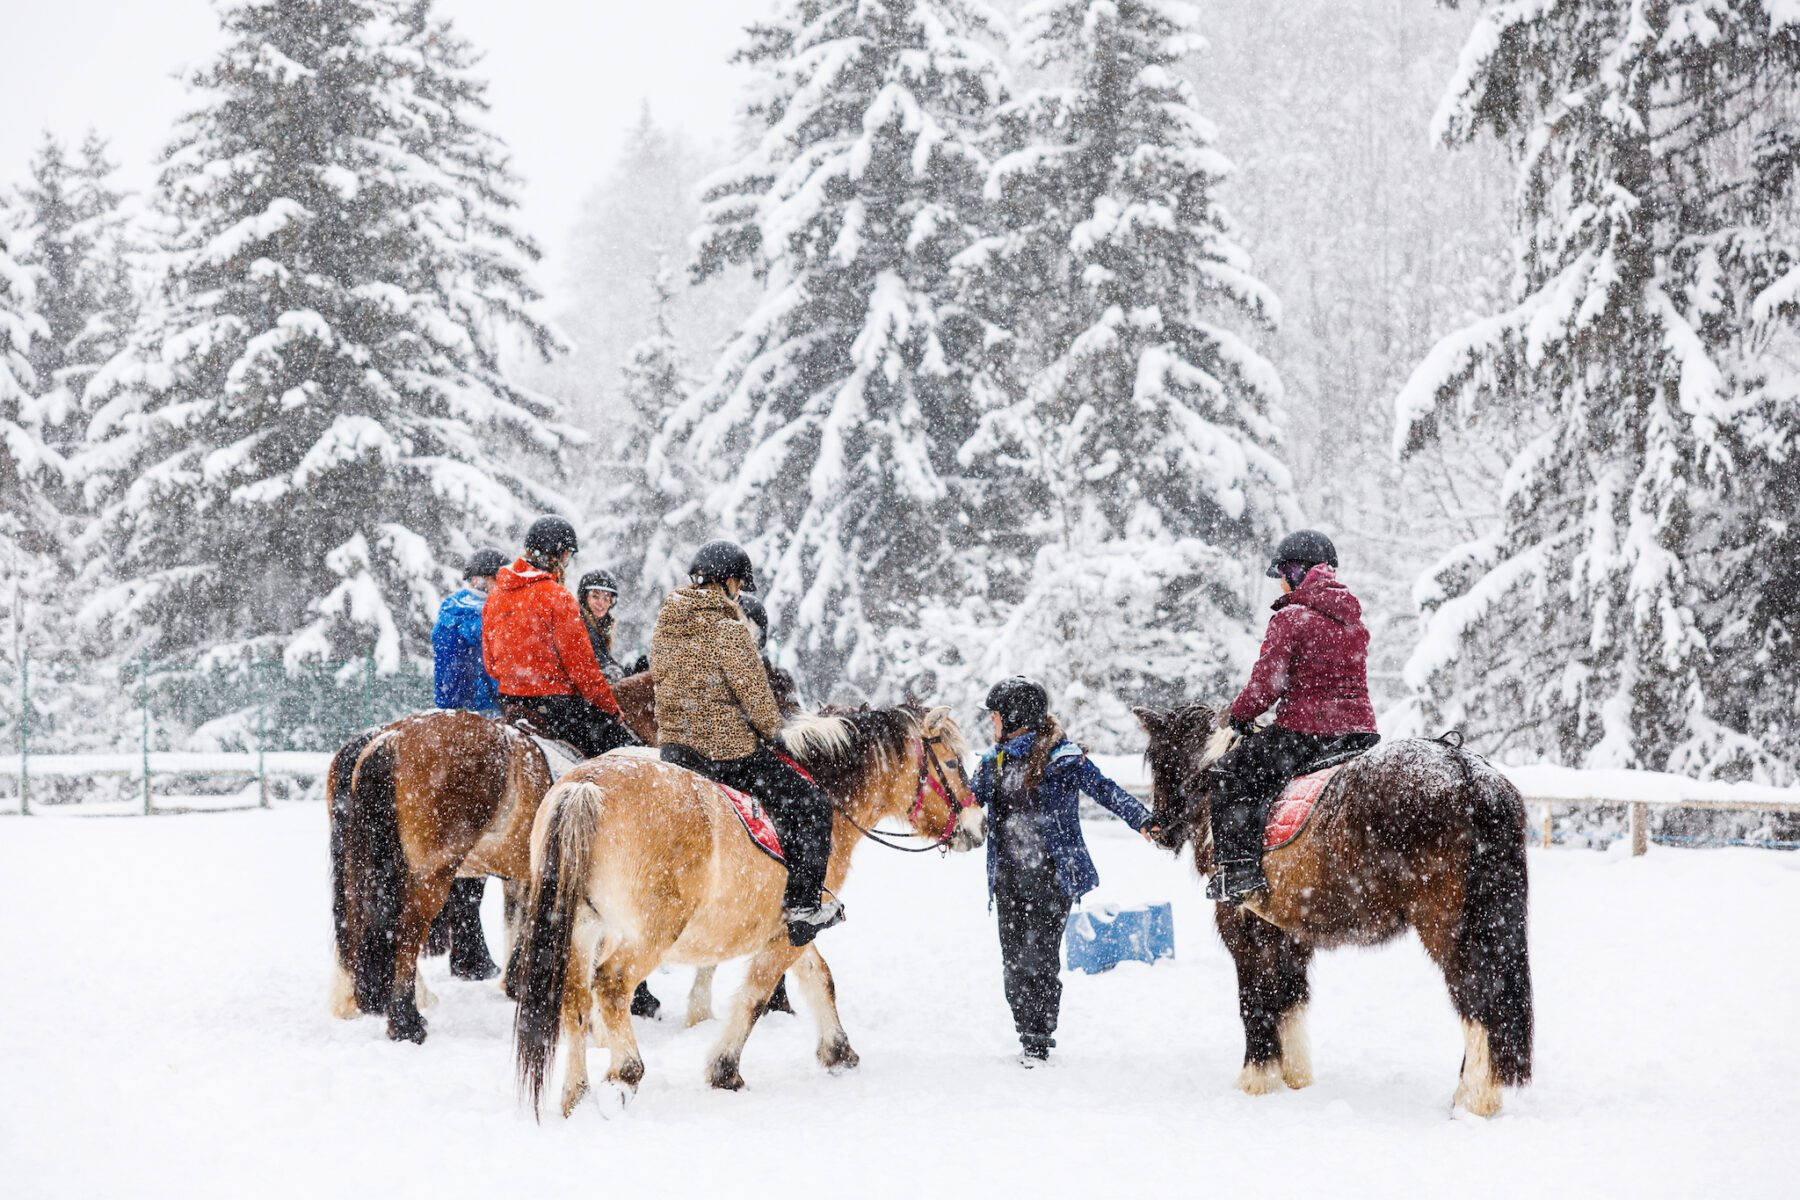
939 782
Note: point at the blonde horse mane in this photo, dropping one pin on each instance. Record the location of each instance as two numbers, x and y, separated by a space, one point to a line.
1216 746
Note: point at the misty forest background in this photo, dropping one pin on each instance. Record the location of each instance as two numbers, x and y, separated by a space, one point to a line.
1007 345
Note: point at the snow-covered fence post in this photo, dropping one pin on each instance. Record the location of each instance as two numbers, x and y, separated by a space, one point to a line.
144 702
262 772
1640 828
1547 826
24 734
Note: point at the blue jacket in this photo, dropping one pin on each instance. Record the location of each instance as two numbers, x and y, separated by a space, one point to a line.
458 677
1067 775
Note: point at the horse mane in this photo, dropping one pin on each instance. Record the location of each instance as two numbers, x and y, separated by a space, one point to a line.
841 748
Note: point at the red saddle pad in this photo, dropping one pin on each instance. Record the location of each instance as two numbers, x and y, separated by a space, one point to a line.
1295 808
755 821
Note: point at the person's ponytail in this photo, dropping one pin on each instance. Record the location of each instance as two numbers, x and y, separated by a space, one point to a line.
1049 736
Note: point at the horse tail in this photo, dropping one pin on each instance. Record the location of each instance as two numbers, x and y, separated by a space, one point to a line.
376 861
339 808
558 885
1493 961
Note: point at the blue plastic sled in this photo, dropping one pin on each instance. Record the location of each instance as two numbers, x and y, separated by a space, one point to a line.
1100 938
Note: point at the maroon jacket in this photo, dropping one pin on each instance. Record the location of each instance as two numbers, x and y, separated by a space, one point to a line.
1315 660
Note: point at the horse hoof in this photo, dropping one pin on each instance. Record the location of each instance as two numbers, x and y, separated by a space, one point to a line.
406 1031
725 1077
838 1057
612 1098
571 1098
1260 1079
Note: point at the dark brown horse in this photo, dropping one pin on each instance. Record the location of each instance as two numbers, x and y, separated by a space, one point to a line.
1414 834
413 805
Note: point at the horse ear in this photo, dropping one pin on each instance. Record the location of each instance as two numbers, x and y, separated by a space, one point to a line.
935 718
1150 719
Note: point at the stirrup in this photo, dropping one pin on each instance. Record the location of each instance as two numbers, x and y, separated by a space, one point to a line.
1236 881
806 922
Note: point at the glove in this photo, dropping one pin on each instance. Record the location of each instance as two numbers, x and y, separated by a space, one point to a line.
1243 728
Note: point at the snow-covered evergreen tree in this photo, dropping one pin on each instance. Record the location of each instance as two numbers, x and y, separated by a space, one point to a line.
650 515
79 245
314 424
1618 615
837 410
1136 443
27 521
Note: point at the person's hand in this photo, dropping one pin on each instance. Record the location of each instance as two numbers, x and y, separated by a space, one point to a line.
1151 832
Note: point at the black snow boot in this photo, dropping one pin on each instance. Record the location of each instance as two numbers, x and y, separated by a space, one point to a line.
469 958
643 1004
1235 882
778 999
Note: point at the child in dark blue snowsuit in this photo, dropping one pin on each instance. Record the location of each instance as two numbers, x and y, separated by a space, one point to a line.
1038 864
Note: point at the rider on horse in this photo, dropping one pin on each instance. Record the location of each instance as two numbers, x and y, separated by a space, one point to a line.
781 682
1314 663
537 648
597 593
715 714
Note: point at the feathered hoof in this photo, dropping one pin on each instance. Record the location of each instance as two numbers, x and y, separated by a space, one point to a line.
1260 1079
406 1027
723 1075
1476 1101
571 1098
837 1056
612 1098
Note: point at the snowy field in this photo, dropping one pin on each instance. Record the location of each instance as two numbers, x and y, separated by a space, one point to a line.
164 1033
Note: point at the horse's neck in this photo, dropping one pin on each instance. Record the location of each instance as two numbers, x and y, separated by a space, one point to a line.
886 793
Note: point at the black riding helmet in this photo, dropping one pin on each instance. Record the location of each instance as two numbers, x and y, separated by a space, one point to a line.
753 608
1022 703
716 562
1307 547
486 561
551 535
596 581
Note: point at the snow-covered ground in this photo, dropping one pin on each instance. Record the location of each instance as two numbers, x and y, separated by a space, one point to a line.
163 1032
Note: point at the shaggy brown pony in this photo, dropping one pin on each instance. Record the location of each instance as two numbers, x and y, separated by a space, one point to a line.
1414 834
635 862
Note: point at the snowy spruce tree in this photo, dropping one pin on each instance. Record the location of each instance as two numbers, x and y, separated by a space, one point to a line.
28 523
313 425
1634 605
1133 480
651 514
834 417
78 243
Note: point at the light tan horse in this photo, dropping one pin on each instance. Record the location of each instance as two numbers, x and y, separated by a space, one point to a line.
635 863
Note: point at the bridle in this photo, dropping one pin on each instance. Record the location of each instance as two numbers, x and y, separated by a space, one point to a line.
934 776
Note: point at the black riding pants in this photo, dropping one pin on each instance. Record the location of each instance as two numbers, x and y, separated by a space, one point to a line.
575 721
1032 910
1253 773
799 808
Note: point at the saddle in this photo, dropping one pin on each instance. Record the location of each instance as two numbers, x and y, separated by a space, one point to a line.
1293 809
755 820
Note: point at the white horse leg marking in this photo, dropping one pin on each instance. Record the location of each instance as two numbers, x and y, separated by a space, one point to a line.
423 996
813 978
1260 1079
700 997
1296 1048
1477 1092
343 991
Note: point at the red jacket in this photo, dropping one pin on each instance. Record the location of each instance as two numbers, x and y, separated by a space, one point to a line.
534 642
1315 661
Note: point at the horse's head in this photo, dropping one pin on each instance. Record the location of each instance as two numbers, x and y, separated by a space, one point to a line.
945 807
881 763
1183 747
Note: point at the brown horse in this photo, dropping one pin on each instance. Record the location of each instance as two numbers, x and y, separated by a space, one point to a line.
413 805
1412 834
635 862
